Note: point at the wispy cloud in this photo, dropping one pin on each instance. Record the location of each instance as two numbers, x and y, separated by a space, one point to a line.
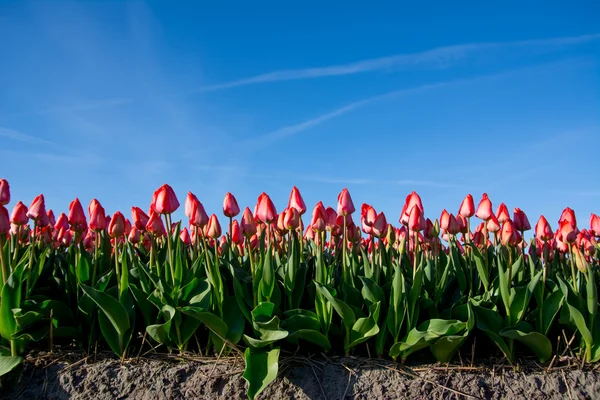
433 57
22 137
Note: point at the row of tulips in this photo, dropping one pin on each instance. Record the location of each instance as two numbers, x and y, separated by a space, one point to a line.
342 282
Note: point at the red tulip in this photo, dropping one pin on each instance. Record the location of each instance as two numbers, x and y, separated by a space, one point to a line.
19 214
51 218
291 220
116 229
296 201
368 216
265 209
412 200
416 222
493 225
502 213
567 231
164 200
65 236
236 233
189 201
568 215
213 230
4 192
467 208
279 225
62 222
77 218
595 224
330 217
184 235
484 209
140 218
230 206
509 235
4 221
380 226
429 231
97 216
37 209
520 220
134 235
345 206
155 225
248 223
198 216
543 230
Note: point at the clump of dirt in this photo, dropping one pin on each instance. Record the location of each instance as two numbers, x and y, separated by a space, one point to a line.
175 377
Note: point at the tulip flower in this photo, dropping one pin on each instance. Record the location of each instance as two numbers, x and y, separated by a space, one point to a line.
97 216
318 223
230 206
248 223
330 217
367 217
189 201
62 222
429 229
4 222
296 201
520 220
155 225
236 233
291 220
412 200
51 218
595 224
462 224
580 260
4 192
509 235
116 229
543 230
164 200
502 213
345 205
19 214
467 208
265 209
184 235
492 224
134 235
380 226
416 222
198 216
77 218
484 209
568 215
567 231
213 229
37 209
140 218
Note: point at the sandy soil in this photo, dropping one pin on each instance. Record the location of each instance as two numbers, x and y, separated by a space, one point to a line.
299 378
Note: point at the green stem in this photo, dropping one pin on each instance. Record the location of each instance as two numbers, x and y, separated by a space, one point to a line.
170 247
5 270
344 268
96 256
415 252
573 271
117 264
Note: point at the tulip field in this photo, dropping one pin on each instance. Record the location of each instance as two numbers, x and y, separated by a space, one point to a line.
339 281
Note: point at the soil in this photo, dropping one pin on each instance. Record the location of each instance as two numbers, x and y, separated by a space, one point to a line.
186 377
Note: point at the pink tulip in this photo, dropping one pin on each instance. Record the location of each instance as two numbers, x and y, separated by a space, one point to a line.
595 224
484 209
189 201
248 223
265 209
155 225
502 213
230 206
37 208
416 222
380 226
164 200
4 192
467 208
198 216
77 218
520 220
509 235
140 218
345 205
184 235
134 235
116 229
97 216
19 214
493 225
4 222
543 230
213 229
296 201
236 233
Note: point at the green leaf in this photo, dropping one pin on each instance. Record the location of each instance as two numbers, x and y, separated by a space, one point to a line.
267 284
161 332
344 311
234 318
11 298
114 311
550 309
310 335
537 342
84 266
480 263
8 363
520 302
371 291
211 321
445 347
147 308
490 322
261 369
364 328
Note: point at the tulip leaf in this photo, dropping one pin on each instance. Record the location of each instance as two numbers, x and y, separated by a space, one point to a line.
261 369
371 291
490 322
8 363
480 263
537 342
364 328
114 311
310 335
344 311
11 298
550 309
234 318
161 332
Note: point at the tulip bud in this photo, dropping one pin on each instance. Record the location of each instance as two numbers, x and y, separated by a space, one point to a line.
198 216
368 216
467 208
296 201
77 216
4 192
484 209
164 200
567 231
580 260
134 235
248 223
291 220
330 217
428 232
97 216
568 215
51 218
509 235
155 225
116 229
189 201
380 226
4 221
520 220
184 235
265 209
37 208
412 200
140 218
492 224
345 205
416 222
502 213
543 230
230 206
391 234
19 214
236 233
595 224
462 223
214 228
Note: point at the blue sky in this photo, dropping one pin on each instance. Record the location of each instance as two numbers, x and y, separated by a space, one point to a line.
111 99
